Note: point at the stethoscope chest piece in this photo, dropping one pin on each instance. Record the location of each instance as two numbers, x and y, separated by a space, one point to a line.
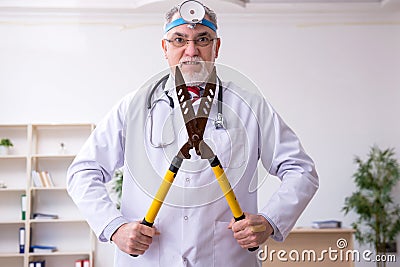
219 121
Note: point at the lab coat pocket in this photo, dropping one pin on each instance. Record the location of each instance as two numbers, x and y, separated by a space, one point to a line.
229 145
227 252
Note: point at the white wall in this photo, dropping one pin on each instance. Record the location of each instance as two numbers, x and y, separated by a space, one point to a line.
334 78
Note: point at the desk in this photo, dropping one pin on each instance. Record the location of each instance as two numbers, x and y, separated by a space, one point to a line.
311 247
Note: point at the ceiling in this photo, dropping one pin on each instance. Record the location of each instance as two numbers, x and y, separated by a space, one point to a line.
221 6
312 1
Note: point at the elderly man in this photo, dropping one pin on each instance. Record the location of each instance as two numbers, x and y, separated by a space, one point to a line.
195 226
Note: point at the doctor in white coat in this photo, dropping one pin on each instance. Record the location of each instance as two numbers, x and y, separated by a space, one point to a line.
194 227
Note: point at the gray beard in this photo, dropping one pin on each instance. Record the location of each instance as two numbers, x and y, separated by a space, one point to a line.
196 78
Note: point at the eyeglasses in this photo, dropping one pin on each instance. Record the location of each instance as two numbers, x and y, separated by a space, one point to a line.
201 41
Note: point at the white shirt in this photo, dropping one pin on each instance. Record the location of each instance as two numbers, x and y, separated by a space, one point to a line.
194 217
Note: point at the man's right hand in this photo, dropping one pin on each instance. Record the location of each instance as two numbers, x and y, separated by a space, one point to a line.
134 238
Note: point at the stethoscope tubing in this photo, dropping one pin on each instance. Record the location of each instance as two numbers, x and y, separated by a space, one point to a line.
218 123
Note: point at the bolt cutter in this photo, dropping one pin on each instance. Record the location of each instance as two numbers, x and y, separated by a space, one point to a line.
195 126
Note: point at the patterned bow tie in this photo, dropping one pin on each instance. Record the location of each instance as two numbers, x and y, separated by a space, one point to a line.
194 92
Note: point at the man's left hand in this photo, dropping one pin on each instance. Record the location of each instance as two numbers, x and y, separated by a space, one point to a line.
252 231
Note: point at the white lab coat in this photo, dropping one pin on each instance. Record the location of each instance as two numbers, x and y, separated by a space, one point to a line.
194 218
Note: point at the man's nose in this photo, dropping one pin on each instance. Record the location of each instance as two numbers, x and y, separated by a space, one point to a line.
191 48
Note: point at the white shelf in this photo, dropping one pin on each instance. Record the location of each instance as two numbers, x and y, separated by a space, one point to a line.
11 255
18 190
54 156
55 188
61 253
13 157
37 147
13 222
57 221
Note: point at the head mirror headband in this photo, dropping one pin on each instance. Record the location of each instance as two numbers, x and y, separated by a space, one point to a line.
192 12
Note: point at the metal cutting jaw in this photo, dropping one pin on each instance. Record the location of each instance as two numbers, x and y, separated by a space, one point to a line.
195 122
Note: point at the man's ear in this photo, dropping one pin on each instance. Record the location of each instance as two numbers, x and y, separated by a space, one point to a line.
217 47
164 47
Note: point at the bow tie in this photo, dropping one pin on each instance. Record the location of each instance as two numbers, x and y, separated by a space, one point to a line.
194 92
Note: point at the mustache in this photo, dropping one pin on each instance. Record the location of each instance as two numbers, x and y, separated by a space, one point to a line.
191 59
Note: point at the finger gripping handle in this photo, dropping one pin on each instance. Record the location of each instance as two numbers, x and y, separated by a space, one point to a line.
144 222
241 218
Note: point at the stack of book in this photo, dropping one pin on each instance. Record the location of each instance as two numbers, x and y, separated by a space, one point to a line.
43 249
327 224
41 216
42 179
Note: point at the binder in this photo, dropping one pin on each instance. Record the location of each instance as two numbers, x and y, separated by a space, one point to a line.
37 263
23 206
37 182
82 263
48 178
22 240
44 179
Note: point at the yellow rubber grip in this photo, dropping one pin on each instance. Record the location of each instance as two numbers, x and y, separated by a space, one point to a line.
160 196
227 190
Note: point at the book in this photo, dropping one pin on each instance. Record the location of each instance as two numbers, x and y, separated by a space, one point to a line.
23 206
43 249
36 179
22 240
42 179
38 215
327 224
46 179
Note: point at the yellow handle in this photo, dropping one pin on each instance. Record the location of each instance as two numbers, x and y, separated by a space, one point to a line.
160 196
229 194
227 190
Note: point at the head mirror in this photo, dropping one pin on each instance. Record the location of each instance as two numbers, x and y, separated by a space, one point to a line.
192 11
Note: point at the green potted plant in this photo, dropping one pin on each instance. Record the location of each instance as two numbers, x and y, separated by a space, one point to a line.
5 145
117 186
378 222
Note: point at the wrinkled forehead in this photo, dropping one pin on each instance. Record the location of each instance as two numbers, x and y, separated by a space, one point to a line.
186 31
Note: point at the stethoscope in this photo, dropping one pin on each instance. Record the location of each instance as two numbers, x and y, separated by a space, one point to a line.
218 121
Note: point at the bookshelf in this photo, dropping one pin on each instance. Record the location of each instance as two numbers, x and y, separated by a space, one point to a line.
51 148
